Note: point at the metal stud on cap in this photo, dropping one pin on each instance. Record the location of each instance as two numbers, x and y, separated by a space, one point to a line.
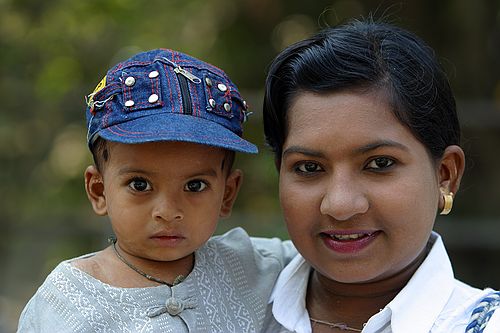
153 74
212 103
227 107
129 103
153 98
222 87
130 81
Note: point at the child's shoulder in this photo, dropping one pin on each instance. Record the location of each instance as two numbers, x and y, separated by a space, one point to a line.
92 264
45 310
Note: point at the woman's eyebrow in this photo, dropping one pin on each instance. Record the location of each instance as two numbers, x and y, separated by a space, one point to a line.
303 151
360 150
381 144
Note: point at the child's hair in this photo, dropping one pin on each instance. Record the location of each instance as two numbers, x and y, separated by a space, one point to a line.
100 153
364 56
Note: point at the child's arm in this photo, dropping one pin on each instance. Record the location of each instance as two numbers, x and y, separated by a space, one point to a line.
283 250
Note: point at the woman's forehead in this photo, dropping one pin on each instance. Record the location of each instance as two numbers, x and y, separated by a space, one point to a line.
338 109
345 120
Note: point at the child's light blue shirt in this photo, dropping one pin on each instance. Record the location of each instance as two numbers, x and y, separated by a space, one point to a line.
227 291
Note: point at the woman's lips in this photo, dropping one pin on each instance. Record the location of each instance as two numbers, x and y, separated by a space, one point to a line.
348 241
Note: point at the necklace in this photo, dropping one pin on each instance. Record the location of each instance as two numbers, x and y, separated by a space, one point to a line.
341 326
177 280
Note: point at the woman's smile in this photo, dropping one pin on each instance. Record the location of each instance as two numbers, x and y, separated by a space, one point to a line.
348 241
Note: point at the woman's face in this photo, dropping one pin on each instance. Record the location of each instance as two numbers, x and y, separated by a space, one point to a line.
359 192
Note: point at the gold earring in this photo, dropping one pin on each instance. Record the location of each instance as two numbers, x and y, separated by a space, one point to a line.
448 203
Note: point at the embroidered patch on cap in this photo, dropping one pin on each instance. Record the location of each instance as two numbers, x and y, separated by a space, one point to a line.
99 87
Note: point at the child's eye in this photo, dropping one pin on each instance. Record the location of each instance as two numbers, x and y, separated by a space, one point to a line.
139 185
308 167
195 186
380 163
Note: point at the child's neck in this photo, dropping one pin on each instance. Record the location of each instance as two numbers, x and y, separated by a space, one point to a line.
107 267
175 271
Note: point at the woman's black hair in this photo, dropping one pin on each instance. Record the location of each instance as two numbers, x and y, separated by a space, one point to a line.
365 55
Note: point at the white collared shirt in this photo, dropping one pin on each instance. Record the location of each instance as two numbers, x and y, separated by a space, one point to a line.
433 300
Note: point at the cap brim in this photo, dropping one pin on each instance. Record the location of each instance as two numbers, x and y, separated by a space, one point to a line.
176 127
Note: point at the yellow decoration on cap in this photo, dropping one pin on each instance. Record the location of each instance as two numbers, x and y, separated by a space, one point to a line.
99 87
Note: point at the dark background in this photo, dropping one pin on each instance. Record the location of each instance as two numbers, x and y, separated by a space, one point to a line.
52 53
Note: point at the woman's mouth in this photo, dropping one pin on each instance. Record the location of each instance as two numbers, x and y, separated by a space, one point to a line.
348 241
348 236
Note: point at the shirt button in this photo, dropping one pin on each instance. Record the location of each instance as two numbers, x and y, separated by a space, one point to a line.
174 307
129 103
212 102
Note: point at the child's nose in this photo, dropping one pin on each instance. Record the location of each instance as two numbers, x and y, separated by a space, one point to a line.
167 208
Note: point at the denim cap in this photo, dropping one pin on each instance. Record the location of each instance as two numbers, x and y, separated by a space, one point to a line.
165 95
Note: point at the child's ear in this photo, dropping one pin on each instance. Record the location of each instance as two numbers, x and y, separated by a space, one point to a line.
451 170
94 186
233 184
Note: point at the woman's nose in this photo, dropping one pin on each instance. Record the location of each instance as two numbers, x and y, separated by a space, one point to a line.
343 199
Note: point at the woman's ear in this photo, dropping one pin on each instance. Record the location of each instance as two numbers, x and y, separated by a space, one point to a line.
94 186
233 184
451 169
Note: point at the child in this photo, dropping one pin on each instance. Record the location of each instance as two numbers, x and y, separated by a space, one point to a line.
163 128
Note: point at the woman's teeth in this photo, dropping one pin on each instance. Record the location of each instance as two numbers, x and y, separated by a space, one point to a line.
347 237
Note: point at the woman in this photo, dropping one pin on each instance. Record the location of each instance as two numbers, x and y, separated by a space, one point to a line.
363 125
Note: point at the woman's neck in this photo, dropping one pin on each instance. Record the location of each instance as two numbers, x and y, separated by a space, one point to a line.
354 303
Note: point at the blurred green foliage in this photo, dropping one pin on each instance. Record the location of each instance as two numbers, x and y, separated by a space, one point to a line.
54 52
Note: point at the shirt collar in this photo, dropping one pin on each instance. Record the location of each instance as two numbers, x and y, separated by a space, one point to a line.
289 296
418 305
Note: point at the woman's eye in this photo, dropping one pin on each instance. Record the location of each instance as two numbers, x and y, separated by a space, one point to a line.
308 167
195 186
380 163
139 185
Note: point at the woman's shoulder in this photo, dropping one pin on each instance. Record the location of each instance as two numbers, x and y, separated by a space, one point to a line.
467 308
485 317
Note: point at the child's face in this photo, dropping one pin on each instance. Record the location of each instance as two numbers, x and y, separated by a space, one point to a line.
163 199
359 192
